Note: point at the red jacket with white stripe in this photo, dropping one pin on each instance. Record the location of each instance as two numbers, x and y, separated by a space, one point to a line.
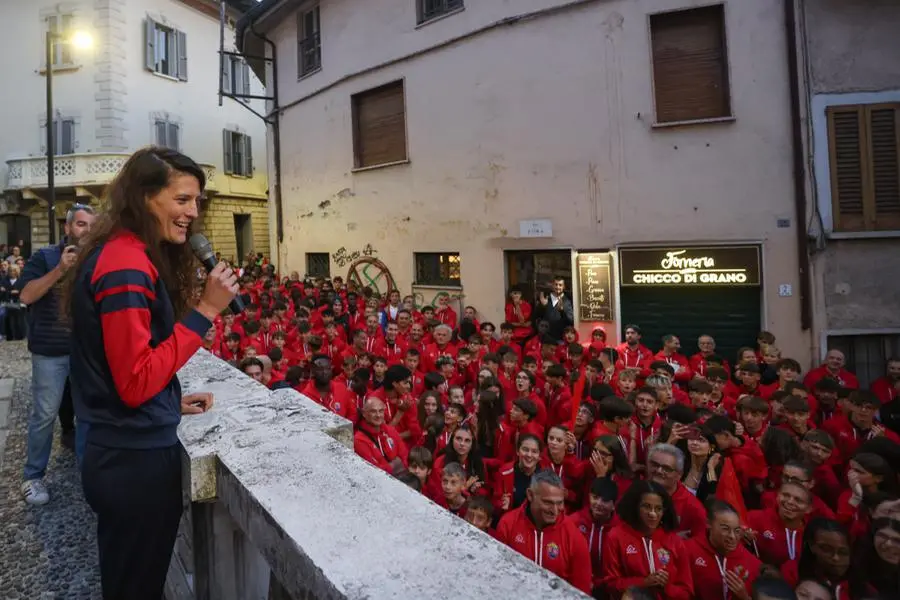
560 548
593 533
708 569
629 557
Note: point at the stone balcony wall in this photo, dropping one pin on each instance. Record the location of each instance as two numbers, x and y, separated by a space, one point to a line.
279 506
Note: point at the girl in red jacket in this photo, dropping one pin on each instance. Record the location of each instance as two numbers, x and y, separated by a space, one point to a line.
721 567
643 549
559 459
825 558
513 479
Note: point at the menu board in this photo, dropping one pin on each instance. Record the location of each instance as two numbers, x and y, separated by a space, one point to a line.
594 280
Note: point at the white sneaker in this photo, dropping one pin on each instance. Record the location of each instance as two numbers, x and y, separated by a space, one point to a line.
35 492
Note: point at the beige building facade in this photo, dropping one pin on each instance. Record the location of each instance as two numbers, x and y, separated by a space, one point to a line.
852 57
150 76
640 150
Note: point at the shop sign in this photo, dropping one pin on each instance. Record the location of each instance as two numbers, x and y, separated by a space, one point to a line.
536 228
594 298
722 266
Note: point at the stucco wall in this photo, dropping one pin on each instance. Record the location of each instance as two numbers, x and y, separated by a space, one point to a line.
218 224
861 288
550 118
853 45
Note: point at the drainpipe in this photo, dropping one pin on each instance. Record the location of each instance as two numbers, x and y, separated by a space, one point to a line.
799 166
275 123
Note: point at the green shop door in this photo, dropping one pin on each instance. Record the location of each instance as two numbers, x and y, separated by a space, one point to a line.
732 315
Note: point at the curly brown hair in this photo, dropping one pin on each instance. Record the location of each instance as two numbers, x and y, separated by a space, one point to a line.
147 172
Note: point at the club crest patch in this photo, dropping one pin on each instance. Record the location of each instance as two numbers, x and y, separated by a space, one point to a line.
663 556
552 550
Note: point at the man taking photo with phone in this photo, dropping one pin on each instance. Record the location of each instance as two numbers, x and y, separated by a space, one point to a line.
48 342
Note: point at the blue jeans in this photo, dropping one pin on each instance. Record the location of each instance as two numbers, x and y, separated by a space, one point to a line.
48 380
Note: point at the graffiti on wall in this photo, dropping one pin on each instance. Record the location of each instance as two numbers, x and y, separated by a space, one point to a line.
428 296
371 272
343 257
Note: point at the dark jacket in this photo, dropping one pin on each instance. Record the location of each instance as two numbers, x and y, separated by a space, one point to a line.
127 348
559 317
48 334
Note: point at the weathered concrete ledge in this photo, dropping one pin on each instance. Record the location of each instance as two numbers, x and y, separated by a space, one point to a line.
327 524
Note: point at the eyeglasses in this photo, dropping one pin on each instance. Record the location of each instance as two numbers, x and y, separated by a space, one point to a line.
655 466
887 539
794 480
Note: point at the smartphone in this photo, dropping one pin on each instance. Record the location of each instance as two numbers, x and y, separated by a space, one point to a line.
691 432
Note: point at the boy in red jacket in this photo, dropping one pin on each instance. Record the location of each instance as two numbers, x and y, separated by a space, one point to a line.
746 455
453 483
595 520
480 514
539 530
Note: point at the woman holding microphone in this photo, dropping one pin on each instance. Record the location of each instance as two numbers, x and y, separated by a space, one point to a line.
134 321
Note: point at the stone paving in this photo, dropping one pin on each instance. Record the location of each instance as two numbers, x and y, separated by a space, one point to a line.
48 552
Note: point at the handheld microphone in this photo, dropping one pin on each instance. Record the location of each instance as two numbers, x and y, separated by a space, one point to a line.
207 257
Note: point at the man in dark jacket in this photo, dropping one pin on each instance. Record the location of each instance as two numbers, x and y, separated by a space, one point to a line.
556 308
48 342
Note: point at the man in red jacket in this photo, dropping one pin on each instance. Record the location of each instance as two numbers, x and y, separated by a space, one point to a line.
833 368
678 361
323 390
887 388
665 464
540 531
379 443
632 353
850 430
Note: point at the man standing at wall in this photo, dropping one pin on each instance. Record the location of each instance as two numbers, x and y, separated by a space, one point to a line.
556 308
48 342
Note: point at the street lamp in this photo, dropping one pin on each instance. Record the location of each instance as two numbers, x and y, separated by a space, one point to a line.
81 40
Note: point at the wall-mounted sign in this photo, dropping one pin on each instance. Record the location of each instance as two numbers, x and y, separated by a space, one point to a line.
594 297
690 266
536 228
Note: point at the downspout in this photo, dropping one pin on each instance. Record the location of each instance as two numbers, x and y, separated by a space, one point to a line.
799 167
275 122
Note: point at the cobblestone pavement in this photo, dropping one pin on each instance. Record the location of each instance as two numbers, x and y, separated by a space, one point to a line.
48 552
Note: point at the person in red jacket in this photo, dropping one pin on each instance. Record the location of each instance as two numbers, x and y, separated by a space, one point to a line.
595 520
402 410
833 368
539 530
887 388
665 465
855 425
745 454
824 558
563 461
679 362
390 347
700 362
518 314
324 391
776 532
379 443
795 471
633 354
721 566
643 550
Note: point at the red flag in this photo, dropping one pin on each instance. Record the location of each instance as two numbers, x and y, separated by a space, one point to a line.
577 394
729 490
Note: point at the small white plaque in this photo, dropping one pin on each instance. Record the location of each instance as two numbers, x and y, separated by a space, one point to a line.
536 228
785 290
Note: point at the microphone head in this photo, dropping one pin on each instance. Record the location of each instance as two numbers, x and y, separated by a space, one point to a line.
201 246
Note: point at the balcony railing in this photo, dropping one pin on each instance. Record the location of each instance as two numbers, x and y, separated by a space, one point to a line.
73 170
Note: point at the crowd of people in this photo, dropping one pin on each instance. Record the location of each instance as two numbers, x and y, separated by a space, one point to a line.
627 472
12 313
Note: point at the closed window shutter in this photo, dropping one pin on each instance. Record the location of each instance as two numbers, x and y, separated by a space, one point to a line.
150 43
245 78
690 72
161 134
65 49
846 135
226 144
226 75
181 54
380 126
67 135
864 151
172 136
885 147
248 156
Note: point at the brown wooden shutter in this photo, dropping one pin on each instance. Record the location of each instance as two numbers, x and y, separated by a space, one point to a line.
380 126
885 169
690 68
846 131
864 150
